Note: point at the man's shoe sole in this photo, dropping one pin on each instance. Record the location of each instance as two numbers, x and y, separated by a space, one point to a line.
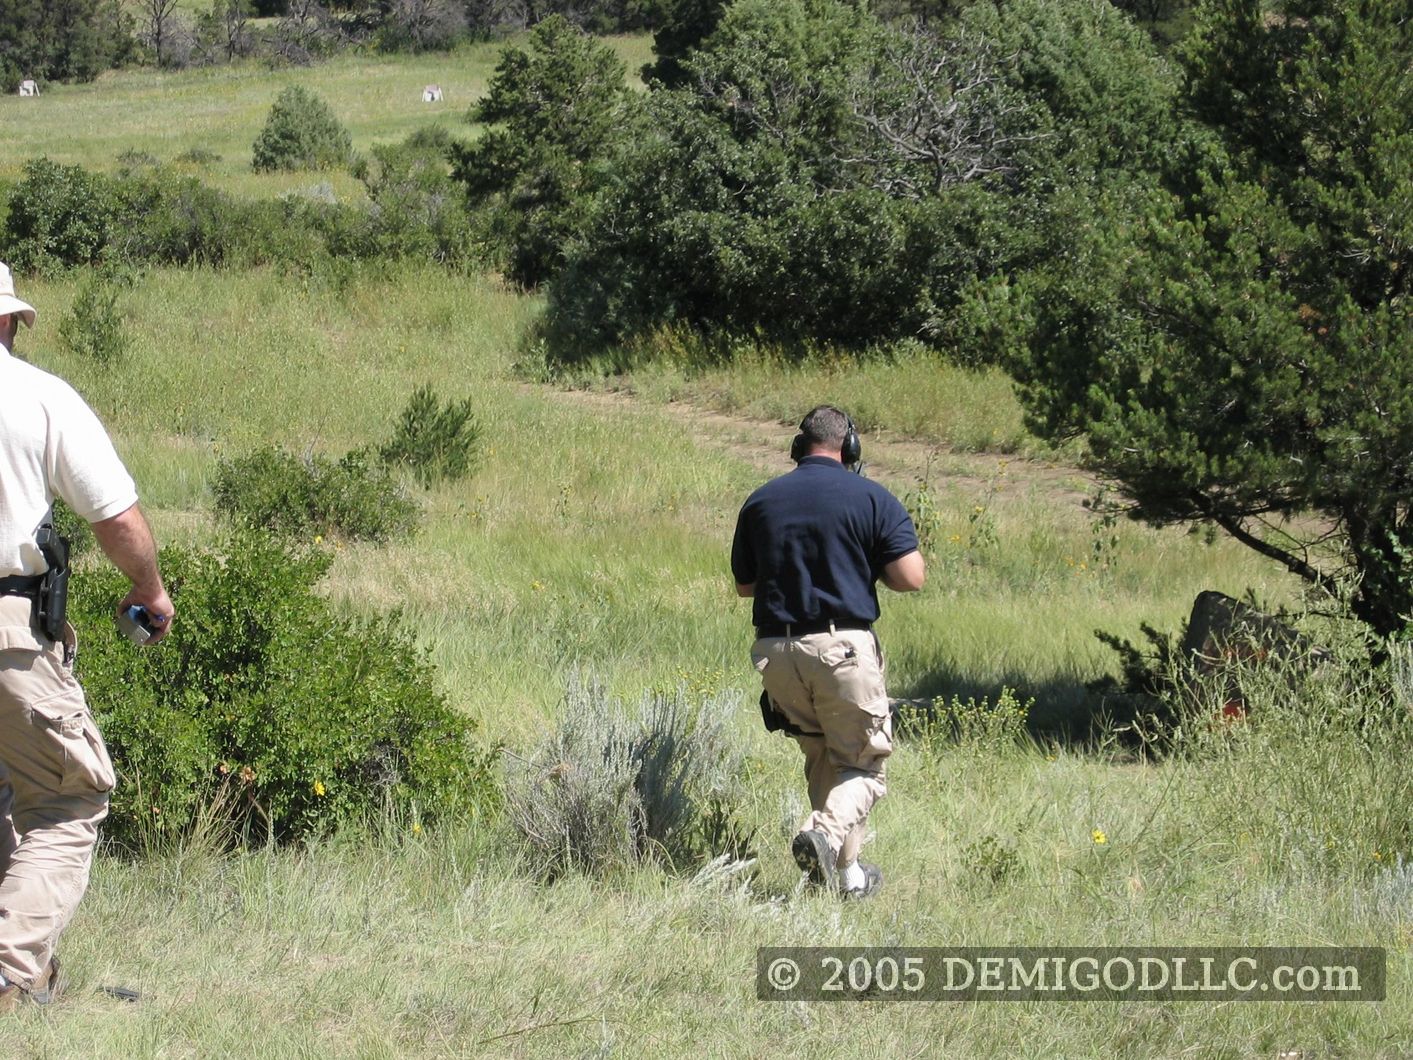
813 855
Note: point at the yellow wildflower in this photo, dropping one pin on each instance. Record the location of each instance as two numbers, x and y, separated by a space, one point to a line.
319 788
1099 837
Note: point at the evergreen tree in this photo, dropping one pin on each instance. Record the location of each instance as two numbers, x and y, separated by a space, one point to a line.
554 109
683 25
1239 348
61 40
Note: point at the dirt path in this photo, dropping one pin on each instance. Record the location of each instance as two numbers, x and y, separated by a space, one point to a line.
897 462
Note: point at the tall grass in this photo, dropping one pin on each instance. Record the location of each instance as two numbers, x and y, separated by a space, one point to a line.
911 391
593 533
437 945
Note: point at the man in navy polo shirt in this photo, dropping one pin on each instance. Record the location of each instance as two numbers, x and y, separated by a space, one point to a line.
810 548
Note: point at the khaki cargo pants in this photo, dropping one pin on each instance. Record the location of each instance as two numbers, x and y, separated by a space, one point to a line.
55 776
832 684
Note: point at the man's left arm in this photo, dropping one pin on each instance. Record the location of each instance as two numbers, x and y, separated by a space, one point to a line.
905 574
900 563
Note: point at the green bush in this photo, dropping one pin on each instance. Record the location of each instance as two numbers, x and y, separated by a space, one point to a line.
613 786
272 489
433 440
199 156
970 725
174 219
94 328
76 530
58 217
416 209
301 132
267 705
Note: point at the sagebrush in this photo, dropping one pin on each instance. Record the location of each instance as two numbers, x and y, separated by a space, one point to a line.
613 785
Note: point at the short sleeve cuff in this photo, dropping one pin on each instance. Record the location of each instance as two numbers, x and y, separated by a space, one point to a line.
109 509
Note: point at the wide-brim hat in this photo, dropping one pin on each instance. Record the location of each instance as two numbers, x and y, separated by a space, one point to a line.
8 302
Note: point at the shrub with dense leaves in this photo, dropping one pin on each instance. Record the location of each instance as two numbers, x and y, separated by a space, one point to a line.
416 209
64 216
175 219
301 132
272 489
268 704
58 217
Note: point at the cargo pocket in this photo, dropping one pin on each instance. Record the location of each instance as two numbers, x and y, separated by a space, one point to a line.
856 674
72 735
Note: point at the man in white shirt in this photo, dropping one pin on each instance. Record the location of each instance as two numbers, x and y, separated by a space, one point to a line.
55 773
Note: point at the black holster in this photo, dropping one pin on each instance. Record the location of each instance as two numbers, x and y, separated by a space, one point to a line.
777 722
51 602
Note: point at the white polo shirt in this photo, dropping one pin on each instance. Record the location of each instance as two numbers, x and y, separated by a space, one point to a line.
51 445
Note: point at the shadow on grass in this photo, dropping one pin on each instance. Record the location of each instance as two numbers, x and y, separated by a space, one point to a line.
1065 709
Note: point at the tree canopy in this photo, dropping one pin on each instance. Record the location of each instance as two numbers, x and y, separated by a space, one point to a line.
61 40
1234 343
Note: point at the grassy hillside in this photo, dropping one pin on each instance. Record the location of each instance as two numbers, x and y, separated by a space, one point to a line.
592 536
221 110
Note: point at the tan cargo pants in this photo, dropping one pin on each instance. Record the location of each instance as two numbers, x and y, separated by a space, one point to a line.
55 775
832 684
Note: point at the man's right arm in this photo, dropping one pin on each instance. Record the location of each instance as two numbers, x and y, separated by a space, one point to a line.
127 540
743 560
905 574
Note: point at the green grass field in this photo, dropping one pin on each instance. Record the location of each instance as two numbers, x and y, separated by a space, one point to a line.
592 536
222 109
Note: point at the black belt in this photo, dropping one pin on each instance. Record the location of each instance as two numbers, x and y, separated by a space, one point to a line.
20 585
804 629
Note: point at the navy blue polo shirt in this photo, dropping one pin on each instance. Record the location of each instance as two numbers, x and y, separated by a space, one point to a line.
814 542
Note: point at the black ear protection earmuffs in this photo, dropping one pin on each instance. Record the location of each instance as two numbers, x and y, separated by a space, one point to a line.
851 452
